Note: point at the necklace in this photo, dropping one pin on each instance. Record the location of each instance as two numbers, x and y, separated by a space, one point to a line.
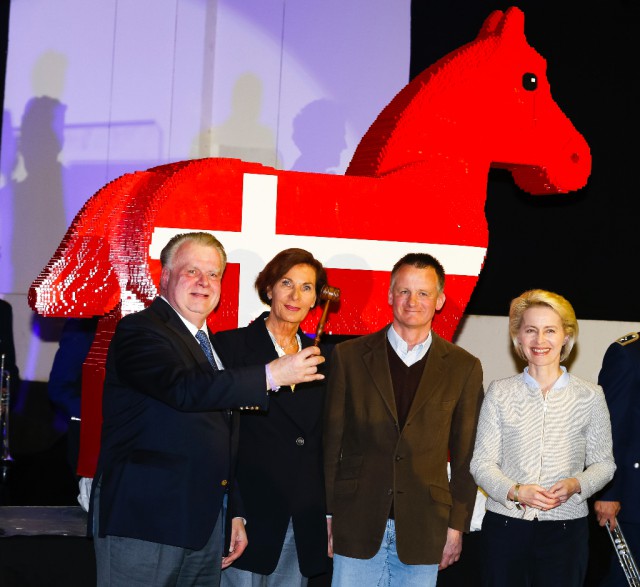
282 348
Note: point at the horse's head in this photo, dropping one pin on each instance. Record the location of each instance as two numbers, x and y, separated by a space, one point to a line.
535 140
486 103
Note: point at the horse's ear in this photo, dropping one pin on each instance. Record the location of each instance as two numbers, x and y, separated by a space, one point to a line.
512 25
491 23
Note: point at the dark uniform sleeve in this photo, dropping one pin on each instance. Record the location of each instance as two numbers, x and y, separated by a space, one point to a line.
619 377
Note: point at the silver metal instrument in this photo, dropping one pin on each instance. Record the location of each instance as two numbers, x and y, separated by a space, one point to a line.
5 404
625 557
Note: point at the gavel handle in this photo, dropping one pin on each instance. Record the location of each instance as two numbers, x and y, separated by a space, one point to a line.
321 323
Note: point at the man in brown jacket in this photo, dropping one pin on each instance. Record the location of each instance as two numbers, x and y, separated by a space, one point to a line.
399 402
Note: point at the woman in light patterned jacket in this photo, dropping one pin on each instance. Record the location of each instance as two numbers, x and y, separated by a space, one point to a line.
543 447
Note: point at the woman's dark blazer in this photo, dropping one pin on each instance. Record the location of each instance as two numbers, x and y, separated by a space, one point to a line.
280 465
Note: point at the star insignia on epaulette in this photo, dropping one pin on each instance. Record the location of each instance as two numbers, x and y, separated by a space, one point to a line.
628 338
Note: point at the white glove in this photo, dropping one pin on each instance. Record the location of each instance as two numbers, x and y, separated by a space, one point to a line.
85 492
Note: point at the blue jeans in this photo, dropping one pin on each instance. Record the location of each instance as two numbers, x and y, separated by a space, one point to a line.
286 574
383 570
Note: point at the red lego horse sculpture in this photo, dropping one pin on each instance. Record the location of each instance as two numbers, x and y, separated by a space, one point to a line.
417 182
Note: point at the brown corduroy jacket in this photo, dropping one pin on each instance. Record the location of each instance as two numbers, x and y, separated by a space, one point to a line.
370 462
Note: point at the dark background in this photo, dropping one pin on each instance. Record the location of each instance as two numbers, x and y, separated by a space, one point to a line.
582 245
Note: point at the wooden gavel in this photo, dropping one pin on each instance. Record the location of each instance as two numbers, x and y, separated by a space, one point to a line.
328 294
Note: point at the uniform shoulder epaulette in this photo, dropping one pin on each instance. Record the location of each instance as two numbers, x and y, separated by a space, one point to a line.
628 338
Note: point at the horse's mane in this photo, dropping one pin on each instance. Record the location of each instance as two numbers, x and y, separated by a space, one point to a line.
366 159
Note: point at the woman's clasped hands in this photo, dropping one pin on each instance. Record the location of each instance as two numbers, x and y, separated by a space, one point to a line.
535 496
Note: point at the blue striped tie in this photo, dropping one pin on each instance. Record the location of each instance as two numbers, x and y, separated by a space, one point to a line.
206 347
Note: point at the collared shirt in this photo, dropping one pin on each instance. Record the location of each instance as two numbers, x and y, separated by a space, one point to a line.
408 357
561 382
193 329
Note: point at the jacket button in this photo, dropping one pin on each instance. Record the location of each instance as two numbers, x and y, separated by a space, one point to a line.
389 491
636 465
300 441
224 483
398 458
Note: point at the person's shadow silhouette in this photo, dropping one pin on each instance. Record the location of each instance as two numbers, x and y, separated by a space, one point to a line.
39 221
319 133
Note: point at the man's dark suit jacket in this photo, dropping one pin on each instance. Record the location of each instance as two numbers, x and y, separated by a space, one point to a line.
620 380
7 347
370 462
165 452
280 469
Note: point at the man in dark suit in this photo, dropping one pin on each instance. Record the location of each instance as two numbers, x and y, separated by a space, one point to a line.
7 347
9 385
166 451
398 402
620 499
65 378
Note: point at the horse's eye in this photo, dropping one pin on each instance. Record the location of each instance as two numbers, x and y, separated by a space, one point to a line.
529 81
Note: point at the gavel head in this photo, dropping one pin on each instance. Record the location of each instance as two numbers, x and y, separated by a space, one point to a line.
330 294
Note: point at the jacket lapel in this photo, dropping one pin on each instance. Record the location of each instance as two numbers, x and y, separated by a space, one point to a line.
260 349
377 366
172 321
431 377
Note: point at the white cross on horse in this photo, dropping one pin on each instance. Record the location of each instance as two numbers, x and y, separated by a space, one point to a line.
257 243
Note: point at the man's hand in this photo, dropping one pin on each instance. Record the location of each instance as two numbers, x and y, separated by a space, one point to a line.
329 538
606 511
452 549
298 368
238 542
